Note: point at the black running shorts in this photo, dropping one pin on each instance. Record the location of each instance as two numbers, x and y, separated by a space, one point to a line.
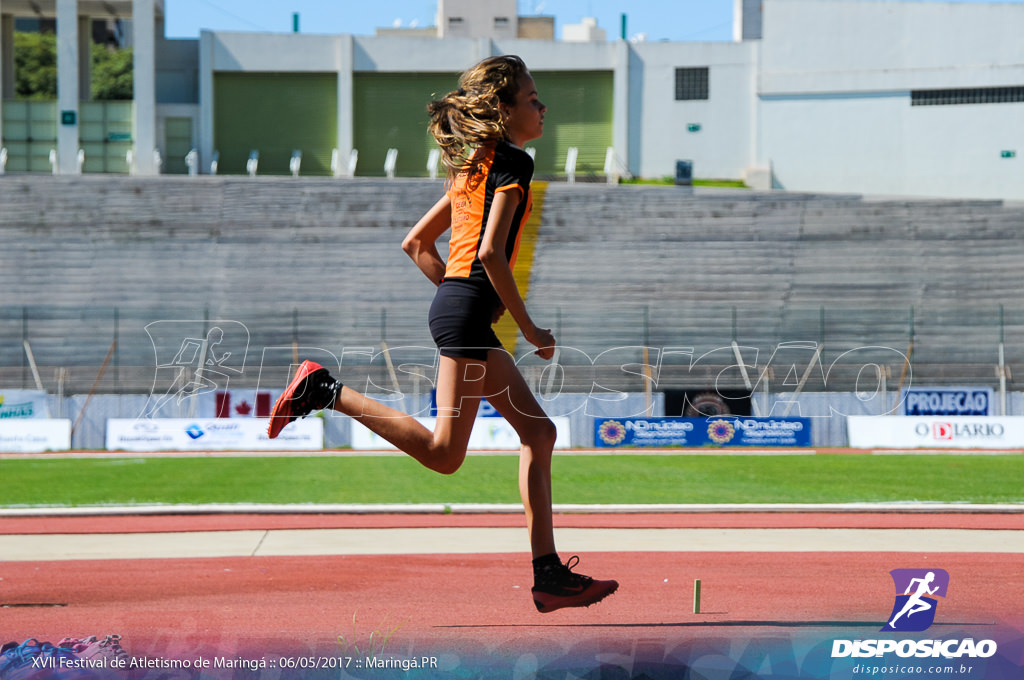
460 320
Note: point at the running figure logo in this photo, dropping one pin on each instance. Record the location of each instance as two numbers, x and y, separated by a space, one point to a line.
193 358
914 609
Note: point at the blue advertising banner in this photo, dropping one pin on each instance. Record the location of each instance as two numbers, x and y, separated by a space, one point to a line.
947 401
702 432
484 411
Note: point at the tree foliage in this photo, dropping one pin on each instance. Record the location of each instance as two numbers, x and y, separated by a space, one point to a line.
112 76
35 65
35 69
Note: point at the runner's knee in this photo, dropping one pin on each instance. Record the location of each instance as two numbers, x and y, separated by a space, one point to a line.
447 459
541 436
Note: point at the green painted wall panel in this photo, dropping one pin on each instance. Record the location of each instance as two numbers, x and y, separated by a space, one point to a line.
29 133
579 114
177 144
389 110
275 113
105 134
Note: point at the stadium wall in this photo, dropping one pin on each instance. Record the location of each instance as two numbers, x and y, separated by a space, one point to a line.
835 97
715 134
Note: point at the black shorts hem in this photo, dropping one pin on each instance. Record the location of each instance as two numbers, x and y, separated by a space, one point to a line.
475 353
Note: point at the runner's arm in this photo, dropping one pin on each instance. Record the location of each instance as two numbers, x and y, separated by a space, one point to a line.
492 256
421 242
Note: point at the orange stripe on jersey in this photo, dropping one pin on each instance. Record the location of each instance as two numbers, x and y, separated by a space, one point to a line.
471 196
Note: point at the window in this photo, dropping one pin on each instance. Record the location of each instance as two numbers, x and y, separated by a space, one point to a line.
971 95
501 22
454 21
692 83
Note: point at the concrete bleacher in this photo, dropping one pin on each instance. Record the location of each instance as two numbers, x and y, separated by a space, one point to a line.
701 268
78 251
316 262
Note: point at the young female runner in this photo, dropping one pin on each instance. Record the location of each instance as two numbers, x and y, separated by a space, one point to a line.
481 129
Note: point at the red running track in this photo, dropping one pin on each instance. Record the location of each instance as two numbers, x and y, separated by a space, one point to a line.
258 606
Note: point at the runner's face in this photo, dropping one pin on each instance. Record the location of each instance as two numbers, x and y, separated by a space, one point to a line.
525 120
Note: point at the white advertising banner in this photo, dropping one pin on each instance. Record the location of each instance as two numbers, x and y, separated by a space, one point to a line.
23 404
34 435
211 434
911 432
489 434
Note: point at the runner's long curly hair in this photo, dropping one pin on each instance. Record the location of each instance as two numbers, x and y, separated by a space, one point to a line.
469 117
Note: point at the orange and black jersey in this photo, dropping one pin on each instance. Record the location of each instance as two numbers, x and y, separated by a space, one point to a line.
494 168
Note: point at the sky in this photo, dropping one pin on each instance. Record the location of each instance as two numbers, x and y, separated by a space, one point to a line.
652 20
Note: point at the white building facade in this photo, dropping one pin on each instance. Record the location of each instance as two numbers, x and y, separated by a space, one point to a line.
905 98
851 96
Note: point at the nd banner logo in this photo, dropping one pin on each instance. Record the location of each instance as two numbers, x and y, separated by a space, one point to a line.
916 590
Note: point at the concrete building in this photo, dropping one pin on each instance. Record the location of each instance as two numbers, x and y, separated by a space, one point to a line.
496 19
864 96
585 31
61 136
892 97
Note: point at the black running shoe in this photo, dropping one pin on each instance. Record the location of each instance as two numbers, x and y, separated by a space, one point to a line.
558 586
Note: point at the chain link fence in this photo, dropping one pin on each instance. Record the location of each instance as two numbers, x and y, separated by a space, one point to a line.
663 347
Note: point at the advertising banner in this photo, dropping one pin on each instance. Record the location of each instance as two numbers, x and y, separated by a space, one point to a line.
23 404
238 404
34 435
908 432
947 401
489 434
485 410
702 432
211 434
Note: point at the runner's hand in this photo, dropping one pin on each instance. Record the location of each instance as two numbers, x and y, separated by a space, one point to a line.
543 340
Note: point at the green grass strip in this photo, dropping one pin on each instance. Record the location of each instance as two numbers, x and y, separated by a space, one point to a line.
609 479
670 181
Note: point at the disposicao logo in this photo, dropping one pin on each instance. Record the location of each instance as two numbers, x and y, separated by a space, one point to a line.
916 589
914 611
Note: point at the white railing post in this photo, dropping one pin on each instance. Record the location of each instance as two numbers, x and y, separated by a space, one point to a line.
3 160
353 160
158 161
53 161
611 169
570 164
295 163
432 159
390 163
215 163
253 164
192 161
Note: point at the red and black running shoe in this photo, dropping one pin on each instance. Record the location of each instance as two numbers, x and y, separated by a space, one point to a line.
312 389
557 587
